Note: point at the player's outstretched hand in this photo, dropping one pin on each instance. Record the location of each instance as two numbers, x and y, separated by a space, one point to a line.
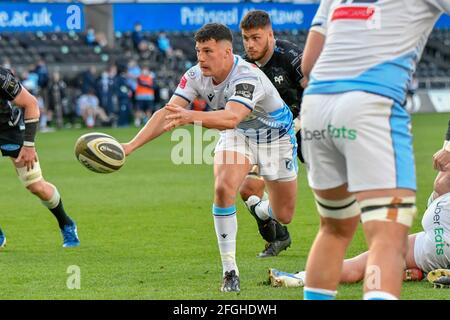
28 156
441 160
127 148
177 116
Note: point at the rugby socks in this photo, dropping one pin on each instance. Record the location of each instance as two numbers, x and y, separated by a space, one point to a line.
318 294
379 295
225 223
55 205
263 210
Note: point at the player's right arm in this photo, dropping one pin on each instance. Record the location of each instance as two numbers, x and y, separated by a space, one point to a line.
185 93
316 39
154 127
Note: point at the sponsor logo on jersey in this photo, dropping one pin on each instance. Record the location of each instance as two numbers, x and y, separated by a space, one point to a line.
278 79
9 147
211 96
245 90
183 82
353 13
438 230
192 74
293 52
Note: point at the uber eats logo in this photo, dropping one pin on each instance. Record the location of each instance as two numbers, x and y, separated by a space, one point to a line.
331 131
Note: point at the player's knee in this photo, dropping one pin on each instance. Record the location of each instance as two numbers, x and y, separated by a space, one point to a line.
224 192
245 191
248 189
285 219
37 188
342 231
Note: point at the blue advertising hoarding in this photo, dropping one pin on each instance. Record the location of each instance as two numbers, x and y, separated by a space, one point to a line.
41 17
191 16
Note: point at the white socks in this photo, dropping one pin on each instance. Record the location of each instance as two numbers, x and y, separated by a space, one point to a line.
225 223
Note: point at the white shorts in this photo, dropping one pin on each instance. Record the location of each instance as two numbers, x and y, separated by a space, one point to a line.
277 160
357 138
427 255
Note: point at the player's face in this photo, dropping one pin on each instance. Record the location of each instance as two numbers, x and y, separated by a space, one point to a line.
211 56
256 42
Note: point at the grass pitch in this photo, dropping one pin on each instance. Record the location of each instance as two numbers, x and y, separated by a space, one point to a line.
147 231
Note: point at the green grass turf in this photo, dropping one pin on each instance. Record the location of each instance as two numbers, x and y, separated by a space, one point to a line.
147 231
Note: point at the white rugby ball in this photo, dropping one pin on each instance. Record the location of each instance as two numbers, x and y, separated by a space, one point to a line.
99 152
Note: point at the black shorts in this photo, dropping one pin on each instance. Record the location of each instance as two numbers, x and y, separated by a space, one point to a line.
11 141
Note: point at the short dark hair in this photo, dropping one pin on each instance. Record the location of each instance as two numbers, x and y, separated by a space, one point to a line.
255 19
214 31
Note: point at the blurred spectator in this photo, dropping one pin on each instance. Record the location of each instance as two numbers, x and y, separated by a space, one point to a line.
105 90
145 97
100 39
123 92
43 118
90 110
164 45
56 98
42 71
133 72
90 37
139 42
199 105
88 80
30 79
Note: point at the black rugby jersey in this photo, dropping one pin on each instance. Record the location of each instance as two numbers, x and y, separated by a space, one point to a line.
284 71
10 88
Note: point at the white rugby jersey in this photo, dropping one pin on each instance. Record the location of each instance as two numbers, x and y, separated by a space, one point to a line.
372 45
436 224
270 118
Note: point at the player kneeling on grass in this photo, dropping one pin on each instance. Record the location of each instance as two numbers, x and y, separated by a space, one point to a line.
428 251
18 127
256 128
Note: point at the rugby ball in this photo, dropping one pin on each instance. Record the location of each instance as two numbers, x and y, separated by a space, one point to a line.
99 152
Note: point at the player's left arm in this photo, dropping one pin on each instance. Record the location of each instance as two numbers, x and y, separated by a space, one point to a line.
313 49
228 118
294 61
247 91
